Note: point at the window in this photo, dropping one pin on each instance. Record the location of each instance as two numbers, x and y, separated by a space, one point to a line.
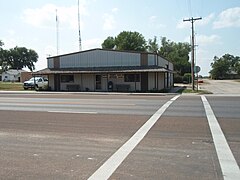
67 78
131 77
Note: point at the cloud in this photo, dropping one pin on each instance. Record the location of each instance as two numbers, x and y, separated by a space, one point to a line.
203 40
153 19
9 42
109 22
92 43
11 32
115 10
228 18
183 25
45 17
206 40
204 21
154 22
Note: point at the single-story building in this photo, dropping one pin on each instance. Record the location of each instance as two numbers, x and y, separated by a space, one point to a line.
108 70
12 75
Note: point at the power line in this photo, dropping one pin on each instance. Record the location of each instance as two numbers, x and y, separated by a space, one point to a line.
192 20
189 7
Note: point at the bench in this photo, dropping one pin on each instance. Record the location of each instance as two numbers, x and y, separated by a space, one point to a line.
122 87
72 87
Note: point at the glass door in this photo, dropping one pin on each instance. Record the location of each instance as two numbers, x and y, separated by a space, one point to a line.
98 82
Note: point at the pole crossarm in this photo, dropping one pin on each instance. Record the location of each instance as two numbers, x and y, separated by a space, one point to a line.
192 20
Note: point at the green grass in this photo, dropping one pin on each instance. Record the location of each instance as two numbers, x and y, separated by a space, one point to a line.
195 91
9 86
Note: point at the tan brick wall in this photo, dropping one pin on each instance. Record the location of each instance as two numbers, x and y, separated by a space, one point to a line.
25 76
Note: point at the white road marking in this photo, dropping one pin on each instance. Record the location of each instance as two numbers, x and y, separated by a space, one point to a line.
226 159
106 170
72 112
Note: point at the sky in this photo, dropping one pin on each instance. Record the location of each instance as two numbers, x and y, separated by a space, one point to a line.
32 24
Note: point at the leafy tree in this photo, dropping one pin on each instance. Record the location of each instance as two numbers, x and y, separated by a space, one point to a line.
127 40
237 67
1 43
220 67
1 53
153 45
224 66
18 58
177 53
109 43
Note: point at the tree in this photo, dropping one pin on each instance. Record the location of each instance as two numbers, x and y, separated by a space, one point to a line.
132 41
126 40
109 43
18 58
153 45
1 43
177 53
237 67
1 54
224 66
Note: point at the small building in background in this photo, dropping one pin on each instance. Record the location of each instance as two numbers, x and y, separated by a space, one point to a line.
108 70
13 75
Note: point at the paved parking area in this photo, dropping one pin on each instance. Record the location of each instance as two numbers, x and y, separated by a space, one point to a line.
70 136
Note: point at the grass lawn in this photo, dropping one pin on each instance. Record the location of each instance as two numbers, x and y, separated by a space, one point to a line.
9 86
187 90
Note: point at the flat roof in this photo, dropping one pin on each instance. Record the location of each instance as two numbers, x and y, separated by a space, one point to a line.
109 50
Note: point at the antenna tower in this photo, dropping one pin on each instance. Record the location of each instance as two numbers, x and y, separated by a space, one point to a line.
79 32
57 31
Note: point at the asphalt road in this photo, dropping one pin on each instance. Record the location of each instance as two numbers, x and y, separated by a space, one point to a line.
221 86
73 136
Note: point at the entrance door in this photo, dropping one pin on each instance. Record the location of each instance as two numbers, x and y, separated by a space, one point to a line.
56 82
98 82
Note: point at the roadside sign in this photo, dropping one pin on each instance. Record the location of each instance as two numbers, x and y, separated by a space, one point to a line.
197 69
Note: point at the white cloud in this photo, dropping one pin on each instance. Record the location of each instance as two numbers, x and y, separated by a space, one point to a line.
9 42
203 40
92 43
154 22
206 40
109 22
11 32
45 16
228 18
153 19
50 51
115 10
183 25
204 21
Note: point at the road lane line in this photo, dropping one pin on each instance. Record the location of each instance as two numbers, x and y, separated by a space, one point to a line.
228 164
107 169
73 112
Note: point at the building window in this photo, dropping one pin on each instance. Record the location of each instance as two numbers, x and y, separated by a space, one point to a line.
67 78
132 77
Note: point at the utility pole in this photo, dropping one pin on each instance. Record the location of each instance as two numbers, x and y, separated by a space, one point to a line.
192 20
